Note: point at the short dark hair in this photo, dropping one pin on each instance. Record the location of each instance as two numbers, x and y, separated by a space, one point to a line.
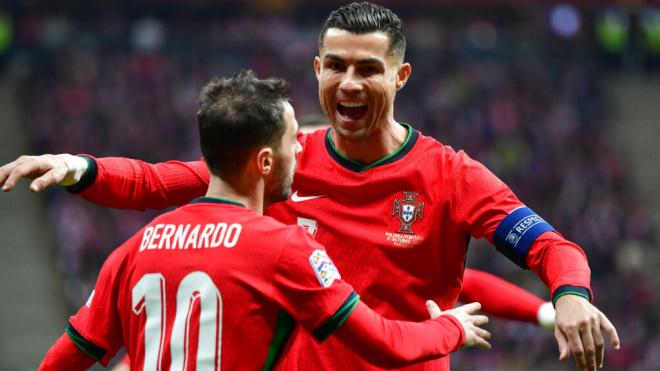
365 17
237 115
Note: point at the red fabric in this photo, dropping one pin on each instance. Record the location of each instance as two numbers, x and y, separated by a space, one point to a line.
389 344
358 223
65 355
267 270
136 185
559 262
500 298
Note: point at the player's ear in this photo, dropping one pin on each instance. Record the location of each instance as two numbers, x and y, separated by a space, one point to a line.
403 75
317 66
265 160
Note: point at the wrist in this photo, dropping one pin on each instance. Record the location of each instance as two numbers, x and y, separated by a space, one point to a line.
76 168
580 291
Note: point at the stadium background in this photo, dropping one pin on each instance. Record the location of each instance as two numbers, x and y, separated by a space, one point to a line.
561 101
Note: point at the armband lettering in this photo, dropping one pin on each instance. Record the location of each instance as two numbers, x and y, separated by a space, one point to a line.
517 232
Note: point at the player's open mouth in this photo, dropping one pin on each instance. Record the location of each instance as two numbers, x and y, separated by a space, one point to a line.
352 110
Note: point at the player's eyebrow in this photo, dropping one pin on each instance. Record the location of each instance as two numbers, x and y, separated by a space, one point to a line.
371 60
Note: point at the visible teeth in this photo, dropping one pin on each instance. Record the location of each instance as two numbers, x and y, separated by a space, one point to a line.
352 104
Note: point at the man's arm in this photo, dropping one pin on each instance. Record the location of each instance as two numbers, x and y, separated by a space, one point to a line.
485 207
113 182
65 352
393 344
505 300
95 330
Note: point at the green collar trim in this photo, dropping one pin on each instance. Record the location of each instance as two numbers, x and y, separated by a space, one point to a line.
353 165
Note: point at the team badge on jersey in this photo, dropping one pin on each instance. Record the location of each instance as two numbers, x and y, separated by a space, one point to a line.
408 211
325 269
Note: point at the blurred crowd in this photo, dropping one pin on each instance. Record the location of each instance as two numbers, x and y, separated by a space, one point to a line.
528 103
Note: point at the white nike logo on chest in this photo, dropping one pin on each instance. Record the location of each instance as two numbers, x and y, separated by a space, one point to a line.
296 198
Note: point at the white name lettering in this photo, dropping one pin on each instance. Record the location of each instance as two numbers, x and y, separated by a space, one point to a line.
187 236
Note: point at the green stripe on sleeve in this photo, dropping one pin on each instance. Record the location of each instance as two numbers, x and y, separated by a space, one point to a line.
90 349
87 179
570 290
283 329
338 319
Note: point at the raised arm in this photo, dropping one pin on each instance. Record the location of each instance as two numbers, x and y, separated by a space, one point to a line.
486 207
505 300
113 182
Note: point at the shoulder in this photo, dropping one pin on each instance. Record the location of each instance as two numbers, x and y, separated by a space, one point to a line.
431 149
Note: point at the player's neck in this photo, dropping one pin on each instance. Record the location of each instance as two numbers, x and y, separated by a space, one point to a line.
251 197
380 143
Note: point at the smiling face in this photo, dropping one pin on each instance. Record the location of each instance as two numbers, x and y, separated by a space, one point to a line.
358 79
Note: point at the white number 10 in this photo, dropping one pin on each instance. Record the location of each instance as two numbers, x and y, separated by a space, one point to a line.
148 295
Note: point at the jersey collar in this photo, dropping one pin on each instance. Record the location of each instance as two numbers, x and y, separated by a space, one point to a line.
215 201
358 167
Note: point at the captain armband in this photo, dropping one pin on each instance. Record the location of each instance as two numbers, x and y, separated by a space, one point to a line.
517 232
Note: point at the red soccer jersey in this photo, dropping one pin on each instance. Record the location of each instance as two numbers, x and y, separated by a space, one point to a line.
397 229
211 284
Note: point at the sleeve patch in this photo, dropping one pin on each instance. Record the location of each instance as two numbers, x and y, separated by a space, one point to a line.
325 269
517 232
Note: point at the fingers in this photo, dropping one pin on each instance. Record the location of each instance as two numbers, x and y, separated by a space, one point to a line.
599 345
54 176
480 320
483 334
482 344
15 171
610 330
562 342
471 307
588 344
5 171
476 336
433 309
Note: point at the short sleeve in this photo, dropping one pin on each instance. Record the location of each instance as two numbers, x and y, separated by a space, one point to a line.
309 287
96 328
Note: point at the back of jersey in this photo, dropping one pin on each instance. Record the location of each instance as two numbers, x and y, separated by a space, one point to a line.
201 276
210 286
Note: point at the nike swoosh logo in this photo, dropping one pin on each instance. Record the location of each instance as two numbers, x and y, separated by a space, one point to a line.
296 198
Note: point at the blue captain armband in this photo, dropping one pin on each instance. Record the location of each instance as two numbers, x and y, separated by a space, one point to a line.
517 232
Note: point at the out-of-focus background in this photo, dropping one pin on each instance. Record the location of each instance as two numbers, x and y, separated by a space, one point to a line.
562 101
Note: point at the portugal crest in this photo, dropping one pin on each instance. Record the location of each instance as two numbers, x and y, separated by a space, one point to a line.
407 211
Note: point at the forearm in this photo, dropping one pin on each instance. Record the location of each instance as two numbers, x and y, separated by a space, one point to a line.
499 297
391 344
560 264
65 355
133 184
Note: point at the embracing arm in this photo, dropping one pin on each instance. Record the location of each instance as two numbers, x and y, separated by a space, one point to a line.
393 344
133 184
113 182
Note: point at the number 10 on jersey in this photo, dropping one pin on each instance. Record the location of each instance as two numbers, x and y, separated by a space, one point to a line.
148 296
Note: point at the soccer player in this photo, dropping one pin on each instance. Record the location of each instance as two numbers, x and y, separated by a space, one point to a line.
217 284
406 203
